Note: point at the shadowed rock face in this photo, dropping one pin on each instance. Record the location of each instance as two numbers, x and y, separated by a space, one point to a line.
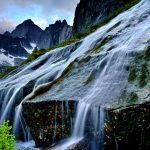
28 30
128 127
54 34
49 121
92 11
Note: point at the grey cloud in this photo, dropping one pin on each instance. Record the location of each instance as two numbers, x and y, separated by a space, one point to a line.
6 25
64 9
48 5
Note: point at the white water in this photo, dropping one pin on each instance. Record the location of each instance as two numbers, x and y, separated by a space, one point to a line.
111 79
108 83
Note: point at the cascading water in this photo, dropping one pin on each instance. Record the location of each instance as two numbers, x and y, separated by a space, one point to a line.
109 85
129 37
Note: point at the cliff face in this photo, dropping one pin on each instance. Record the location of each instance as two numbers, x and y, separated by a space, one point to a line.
92 11
28 30
54 34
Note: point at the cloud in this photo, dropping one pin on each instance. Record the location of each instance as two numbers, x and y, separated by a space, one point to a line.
42 12
47 5
6 25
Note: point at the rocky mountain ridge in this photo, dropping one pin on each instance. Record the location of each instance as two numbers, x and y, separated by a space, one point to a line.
26 36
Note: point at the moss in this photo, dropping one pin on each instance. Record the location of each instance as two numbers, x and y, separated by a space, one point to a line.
133 97
143 75
132 74
85 59
102 43
112 47
7 71
113 27
147 53
44 88
90 77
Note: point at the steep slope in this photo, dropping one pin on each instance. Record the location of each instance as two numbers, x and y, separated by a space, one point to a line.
92 11
55 34
93 71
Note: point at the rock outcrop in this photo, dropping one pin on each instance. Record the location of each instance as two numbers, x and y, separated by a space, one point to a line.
128 127
92 11
51 122
28 30
54 34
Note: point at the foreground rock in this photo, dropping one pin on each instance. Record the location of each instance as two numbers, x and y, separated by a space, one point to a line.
128 127
49 121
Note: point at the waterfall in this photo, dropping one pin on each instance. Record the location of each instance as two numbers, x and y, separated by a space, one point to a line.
110 80
109 85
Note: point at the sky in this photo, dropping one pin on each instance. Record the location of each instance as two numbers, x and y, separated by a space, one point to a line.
42 12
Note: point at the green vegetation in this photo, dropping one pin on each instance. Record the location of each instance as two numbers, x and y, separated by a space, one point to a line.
126 99
102 43
112 47
140 68
7 140
113 27
143 75
147 53
90 77
7 71
132 74
133 97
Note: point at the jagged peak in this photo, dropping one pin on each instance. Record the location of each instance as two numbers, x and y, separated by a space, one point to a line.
28 22
7 33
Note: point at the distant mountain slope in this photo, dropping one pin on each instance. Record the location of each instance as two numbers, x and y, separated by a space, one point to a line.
26 36
28 30
54 34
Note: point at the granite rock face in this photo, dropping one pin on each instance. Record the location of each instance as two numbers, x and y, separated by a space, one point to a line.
28 30
55 34
92 11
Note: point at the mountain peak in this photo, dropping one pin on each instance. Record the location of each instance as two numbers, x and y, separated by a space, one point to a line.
28 21
28 30
7 33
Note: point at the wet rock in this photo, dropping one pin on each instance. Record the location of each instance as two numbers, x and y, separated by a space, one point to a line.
49 121
128 127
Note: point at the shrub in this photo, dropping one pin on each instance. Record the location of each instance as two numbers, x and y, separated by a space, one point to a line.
7 140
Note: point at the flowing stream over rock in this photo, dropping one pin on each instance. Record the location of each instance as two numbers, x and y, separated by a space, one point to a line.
130 36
